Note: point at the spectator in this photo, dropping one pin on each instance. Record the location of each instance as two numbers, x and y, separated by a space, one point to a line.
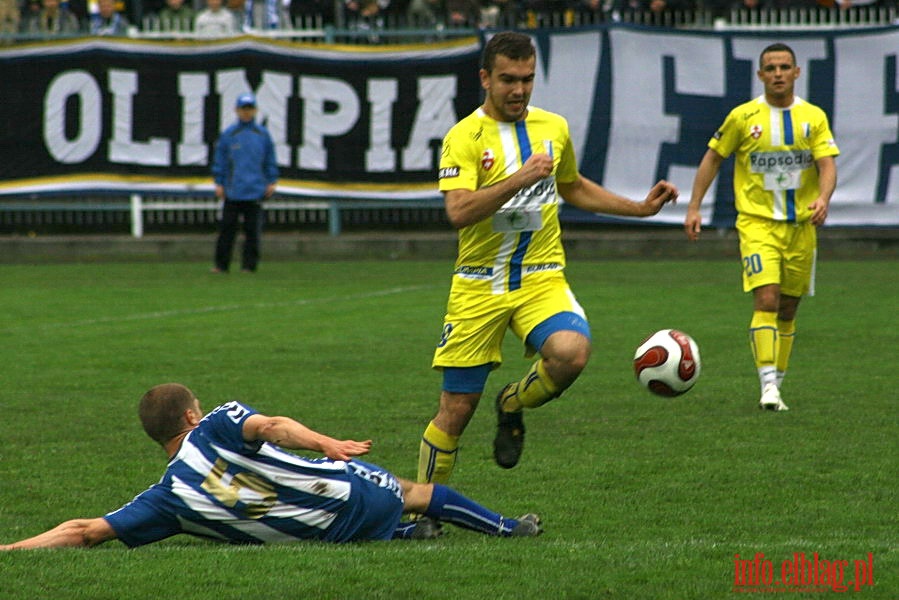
664 13
366 15
788 4
149 13
303 11
78 8
245 173
215 20
176 16
10 17
237 9
591 11
462 13
53 20
30 8
263 14
721 9
499 14
847 4
551 13
370 12
108 21
422 13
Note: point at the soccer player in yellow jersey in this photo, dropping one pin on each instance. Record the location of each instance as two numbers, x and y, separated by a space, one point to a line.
502 171
784 176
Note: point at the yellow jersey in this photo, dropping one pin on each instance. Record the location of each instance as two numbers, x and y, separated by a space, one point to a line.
524 236
776 148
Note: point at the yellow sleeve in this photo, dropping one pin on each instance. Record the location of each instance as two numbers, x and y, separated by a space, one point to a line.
458 161
567 170
727 139
823 143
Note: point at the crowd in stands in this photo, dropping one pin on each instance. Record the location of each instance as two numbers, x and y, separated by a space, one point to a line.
221 18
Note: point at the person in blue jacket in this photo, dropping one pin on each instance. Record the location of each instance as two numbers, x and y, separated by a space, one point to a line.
245 173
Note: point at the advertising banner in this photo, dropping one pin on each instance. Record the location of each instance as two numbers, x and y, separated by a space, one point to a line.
642 103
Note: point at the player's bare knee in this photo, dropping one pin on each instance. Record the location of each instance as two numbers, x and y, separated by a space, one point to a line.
416 496
578 361
786 310
572 362
564 372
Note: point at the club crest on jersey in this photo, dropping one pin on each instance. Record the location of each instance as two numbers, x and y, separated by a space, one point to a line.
755 131
487 159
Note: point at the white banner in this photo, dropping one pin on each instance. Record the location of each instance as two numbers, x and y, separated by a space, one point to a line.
643 104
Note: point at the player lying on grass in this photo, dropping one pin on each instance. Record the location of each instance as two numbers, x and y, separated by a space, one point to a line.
228 479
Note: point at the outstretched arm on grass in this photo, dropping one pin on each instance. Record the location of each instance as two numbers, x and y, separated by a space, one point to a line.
76 533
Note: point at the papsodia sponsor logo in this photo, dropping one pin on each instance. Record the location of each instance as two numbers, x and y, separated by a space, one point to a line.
802 573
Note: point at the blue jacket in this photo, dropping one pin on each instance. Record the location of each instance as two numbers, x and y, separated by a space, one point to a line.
244 161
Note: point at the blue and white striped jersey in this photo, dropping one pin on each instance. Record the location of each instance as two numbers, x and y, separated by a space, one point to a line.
220 486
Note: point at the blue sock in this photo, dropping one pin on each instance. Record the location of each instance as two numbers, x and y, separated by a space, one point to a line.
450 506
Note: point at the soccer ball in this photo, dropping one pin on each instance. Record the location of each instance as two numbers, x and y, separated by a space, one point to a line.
667 362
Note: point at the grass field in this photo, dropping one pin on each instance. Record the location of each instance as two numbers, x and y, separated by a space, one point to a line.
642 497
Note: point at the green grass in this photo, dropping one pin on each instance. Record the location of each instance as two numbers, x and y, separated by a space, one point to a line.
642 497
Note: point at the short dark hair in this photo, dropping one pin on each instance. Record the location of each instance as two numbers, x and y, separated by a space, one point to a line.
510 44
161 409
778 47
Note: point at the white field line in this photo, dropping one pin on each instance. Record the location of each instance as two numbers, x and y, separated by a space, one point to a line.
200 310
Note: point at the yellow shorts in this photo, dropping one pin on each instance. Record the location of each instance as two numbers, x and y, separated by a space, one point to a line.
476 320
778 252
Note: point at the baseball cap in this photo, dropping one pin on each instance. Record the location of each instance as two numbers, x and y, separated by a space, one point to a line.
247 99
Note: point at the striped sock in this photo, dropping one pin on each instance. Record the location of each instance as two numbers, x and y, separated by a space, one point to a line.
763 339
436 455
786 333
535 389
452 507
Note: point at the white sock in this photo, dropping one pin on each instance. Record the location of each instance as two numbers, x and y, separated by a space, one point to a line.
767 374
780 378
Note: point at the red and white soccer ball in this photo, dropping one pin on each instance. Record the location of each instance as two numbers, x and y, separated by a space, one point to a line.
667 362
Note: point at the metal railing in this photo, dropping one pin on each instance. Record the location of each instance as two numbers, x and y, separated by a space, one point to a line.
139 214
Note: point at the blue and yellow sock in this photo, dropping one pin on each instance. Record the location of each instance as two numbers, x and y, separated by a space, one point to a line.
436 455
763 339
786 334
535 389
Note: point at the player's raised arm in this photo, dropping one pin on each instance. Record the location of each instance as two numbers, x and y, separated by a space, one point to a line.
592 197
288 433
